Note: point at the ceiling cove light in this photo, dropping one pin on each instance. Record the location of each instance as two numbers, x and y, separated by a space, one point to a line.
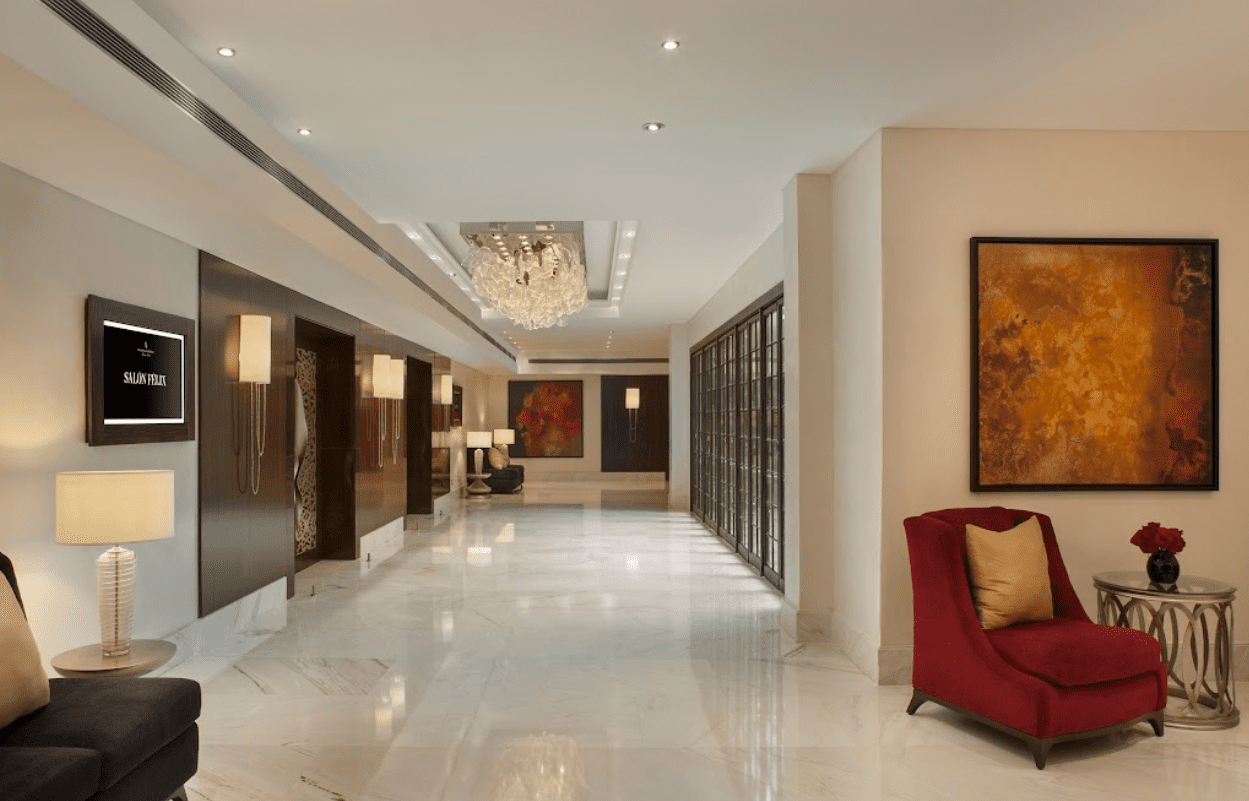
652 127
670 44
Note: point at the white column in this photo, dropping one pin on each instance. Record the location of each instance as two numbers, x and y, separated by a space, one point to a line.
678 418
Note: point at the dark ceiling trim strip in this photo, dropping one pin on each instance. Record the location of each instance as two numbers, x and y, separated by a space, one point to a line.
598 361
108 39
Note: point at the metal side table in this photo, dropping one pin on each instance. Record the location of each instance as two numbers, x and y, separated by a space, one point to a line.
1192 620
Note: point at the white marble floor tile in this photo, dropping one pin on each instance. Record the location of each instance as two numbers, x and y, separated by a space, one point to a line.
581 642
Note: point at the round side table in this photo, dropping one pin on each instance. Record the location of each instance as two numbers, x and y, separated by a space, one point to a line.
144 657
1192 621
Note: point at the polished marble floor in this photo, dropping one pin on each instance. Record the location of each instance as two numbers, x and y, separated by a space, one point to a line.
581 642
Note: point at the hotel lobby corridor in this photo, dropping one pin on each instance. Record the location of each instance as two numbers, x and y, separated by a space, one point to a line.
580 641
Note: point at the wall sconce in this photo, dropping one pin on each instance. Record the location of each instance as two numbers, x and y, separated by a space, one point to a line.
251 402
443 389
398 375
379 385
633 401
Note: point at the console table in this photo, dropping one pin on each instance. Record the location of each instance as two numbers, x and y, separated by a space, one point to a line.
1192 621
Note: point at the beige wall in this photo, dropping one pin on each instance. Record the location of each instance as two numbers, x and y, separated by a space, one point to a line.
56 249
763 270
856 328
942 187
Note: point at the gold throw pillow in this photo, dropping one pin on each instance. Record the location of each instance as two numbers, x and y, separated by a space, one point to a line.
23 684
1009 574
497 460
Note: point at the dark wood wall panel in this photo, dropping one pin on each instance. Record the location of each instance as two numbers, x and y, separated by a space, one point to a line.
419 391
248 541
649 453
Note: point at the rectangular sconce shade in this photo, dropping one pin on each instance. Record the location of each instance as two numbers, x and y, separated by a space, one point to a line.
381 375
443 389
479 439
504 436
255 350
109 508
633 398
397 375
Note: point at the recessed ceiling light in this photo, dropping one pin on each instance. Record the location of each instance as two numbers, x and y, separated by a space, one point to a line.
624 255
622 272
652 126
226 52
436 258
631 233
304 132
670 44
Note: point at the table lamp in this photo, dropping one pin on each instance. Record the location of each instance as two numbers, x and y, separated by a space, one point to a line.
478 440
504 437
109 508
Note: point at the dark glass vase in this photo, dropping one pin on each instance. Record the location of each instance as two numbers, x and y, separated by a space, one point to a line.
1162 567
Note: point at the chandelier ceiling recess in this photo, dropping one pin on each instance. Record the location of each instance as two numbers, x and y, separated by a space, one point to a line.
533 273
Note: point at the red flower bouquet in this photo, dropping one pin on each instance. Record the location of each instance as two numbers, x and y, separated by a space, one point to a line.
1153 537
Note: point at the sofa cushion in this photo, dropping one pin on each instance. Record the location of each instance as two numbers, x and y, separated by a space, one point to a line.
23 684
1072 653
126 720
48 774
1009 574
497 459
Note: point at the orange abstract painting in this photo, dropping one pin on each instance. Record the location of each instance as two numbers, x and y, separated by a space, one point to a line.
1094 364
547 417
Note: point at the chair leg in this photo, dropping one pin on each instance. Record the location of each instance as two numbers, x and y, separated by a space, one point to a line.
1041 751
917 699
179 794
1156 722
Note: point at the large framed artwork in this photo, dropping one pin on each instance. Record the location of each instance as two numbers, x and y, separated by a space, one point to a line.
140 374
547 417
1094 364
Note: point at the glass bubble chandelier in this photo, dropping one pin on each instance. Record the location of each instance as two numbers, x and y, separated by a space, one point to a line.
537 281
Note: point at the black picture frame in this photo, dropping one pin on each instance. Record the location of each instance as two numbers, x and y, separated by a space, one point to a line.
1094 364
149 412
457 406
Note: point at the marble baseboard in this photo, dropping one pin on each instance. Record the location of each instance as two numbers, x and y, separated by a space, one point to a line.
856 646
894 665
806 626
380 544
212 644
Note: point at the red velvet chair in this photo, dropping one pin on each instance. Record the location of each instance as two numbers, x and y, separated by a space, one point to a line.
1044 682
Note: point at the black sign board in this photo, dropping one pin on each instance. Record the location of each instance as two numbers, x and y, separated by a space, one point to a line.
140 374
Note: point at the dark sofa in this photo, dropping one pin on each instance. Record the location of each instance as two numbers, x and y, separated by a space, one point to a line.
500 479
102 739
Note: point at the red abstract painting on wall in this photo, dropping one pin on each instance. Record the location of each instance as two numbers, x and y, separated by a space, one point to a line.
1094 364
547 417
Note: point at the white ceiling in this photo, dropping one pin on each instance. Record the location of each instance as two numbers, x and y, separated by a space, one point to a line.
433 113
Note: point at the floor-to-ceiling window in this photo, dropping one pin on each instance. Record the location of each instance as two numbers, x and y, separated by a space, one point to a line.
737 476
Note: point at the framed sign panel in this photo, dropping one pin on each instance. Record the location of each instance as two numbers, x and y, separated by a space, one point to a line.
1094 364
140 374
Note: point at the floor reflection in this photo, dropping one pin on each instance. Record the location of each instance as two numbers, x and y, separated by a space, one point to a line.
580 641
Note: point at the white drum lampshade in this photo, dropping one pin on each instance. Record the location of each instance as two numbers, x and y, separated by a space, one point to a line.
255 348
109 508
479 439
504 436
397 376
